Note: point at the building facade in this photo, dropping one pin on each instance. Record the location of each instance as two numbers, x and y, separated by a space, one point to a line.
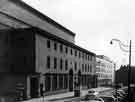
39 63
38 56
105 70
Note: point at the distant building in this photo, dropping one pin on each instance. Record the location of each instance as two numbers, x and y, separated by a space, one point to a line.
122 75
105 69
38 56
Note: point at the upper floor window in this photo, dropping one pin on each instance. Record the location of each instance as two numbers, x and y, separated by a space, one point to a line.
48 62
66 49
79 54
55 46
75 66
71 51
83 55
61 48
75 52
48 43
82 67
86 56
90 58
88 68
61 64
55 62
66 64
85 67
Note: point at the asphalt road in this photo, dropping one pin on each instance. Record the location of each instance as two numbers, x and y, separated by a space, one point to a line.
77 99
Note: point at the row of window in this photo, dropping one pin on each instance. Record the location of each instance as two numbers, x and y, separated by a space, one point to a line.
61 82
67 50
103 70
85 67
56 63
105 65
104 75
56 85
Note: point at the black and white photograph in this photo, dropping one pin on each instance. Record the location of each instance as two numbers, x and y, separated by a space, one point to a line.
67 50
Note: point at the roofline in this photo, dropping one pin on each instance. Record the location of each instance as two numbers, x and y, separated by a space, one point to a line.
104 58
56 38
42 16
53 37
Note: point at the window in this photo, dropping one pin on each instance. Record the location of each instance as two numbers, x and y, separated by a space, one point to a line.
65 81
75 66
83 55
85 67
48 82
61 64
88 68
66 49
75 52
79 54
90 58
66 64
48 44
82 67
54 82
55 46
61 48
61 81
71 51
48 61
55 62
86 56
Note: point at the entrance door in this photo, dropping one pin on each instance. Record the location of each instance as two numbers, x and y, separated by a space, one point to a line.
71 80
34 87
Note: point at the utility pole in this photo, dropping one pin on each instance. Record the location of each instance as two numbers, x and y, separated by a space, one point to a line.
129 74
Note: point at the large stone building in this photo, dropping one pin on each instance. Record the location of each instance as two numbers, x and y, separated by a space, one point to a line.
38 56
105 70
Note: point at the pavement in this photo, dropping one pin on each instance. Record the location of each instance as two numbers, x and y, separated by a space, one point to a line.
64 96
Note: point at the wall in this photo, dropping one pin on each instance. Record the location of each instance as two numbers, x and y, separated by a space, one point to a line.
42 52
22 51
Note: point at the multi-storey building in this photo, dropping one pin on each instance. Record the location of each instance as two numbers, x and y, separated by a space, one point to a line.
105 70
38 56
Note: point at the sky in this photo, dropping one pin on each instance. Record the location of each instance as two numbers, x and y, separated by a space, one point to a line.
95 23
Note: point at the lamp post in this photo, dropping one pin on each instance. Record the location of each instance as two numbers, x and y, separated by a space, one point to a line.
115 82
129 66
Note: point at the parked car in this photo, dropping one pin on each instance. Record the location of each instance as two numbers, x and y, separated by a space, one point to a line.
86 101
108 98
119 96
122 92
91 98
93 92
87 98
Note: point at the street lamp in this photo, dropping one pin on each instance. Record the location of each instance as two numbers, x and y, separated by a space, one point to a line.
129 66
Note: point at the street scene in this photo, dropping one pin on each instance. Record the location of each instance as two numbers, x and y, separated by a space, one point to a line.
67 51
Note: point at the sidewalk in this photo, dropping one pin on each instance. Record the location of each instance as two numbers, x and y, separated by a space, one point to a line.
52 97
64 96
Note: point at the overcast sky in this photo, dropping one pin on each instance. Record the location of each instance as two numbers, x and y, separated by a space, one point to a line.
95 23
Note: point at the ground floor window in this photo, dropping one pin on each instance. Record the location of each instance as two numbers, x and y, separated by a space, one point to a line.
48 82
54 82
61 81
65 81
